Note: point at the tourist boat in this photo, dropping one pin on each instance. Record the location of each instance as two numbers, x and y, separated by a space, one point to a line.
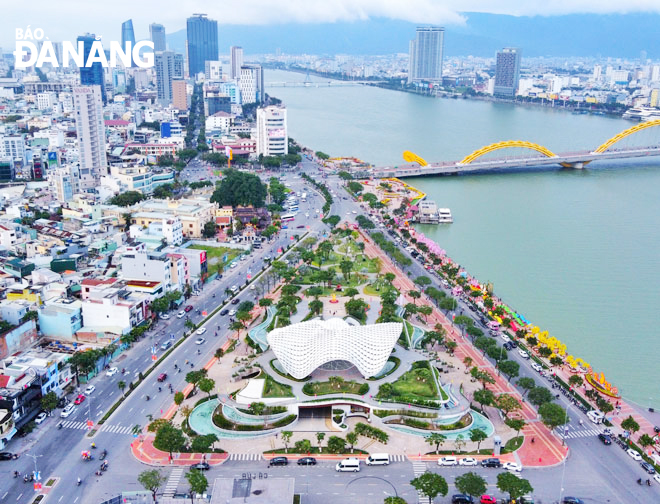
642 114
444 216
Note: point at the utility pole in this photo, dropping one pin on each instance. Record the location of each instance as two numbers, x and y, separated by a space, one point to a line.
35 457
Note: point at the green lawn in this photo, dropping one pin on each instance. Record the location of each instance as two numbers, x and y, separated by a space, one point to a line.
214 255
412 384
323 388
513 444
276 389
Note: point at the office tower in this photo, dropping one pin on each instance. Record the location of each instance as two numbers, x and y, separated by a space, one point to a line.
236 62
598 71
93 75
179 66
272 137
213 71
251 84
507 71
90 131
127 35
157 35
179 95
425 63
164 63
215 101
202 40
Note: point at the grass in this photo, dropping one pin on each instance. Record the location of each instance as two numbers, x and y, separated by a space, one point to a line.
513 444
276 389
412 384
323 388
314 451
214 255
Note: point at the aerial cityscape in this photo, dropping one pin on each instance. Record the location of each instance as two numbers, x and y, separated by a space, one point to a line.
329 252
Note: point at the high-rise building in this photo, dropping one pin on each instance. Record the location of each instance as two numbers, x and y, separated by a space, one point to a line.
425 63
90 131
179 95
127 35
157 35
92 75
251 84
598 71
507 72
236 62
213 71
179 66
202 41
272 139
164 63
64 183
655 73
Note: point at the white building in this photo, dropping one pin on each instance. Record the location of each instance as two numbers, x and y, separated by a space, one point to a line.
301 348
221 121
272 138
138 264
46 101
64 183
164 64
213 71
251 84
90 131
236 62
13 147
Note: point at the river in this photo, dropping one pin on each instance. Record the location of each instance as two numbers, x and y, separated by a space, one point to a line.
575 252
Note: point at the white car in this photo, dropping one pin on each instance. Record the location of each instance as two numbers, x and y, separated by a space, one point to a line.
634 454
68 410
90 389
656 477
232 313
164 316
354 212
201 330
40 417
512 466
112 371
505 338
447 461
468 461
199 341
523 354
537 367
181 314
317 210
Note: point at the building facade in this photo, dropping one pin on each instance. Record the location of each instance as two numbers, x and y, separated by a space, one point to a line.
202 39
236 62
90 131
94 74
272 138
179 95
507 72
164 64
425 63
128 35
251 84
157 36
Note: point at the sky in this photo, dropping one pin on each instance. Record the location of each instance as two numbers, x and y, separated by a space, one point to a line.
65 19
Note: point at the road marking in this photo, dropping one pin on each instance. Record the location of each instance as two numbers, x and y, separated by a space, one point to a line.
74 502
5 495
61 497
21 495
130 410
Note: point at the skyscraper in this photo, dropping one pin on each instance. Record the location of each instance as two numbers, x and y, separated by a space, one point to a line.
425 62
164 63
90 131
507 72
92 75
202 40
236 62
179 66
251 84
157 35
127 35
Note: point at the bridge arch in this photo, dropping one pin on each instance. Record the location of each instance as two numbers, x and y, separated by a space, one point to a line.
625 133
507 145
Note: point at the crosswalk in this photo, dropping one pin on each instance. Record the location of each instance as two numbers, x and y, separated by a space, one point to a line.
173 481
114 429
245 456
577 433
419 468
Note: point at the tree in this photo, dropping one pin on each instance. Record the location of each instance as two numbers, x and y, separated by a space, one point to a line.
477 436
394 500
286 437
197 481
468 362
206 385
484 397
346 267
265 302
556 360
178 398
203 443
630 424
319 438
315 306
194 377
451 346
431 485
151 480
239 189
448 304
540 395
210 229
169 439
513 485
545 352
436 439
575 380
482 376
303 446
516 424
645 440
526 384
507 403
352 438
351 292
355 187
49 402
30 315
423 281
471 484
122 385
460 442
127 198
552 415
389 277
415 295
336 444
510 368
410 309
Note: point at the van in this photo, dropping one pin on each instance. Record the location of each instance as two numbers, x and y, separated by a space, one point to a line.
595 416
378 459
348 465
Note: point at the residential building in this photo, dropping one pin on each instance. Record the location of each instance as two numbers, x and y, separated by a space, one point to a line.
153 149
192 212
64 183
202 39
196 263
60 318
14 340
507 72
8 236
14 311
139 178
164 64
425 58
179 66
272 139
46 101
139 264
111 309
213 71
128 35
236 62
47 366
12 149
220 121
94 74
214 101
157 36
179 95
251 84
90 131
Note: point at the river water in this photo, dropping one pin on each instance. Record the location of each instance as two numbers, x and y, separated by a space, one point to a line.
576 252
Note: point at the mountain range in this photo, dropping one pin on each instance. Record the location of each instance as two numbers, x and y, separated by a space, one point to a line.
613 35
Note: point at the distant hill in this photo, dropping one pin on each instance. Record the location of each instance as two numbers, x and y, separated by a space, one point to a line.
616 35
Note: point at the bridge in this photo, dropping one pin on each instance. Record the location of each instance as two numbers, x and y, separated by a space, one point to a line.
330 83
541 156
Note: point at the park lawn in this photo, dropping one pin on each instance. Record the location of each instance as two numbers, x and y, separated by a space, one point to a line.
216 254
513 444
276 389
408 385
323 388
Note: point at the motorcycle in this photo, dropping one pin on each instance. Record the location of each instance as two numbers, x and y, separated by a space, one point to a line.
147 398
15 474
78 482
104 453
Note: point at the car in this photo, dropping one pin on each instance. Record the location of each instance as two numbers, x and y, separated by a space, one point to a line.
201 330
447 461
167 344
523 354
164 316
487 499
634 454
307 461
188 308
648 467
656 477
6 456
605 439
491 462
232 312
537 367
199 341
354 212
461 499
267 258
90 389
505 337
572 500
278 461
512 466
201 466
70 408
508 345
468 461
40 417
112 371
80 399
162 377
235 301
224 312
181 314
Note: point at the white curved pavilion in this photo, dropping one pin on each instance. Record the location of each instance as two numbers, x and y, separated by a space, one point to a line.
301 348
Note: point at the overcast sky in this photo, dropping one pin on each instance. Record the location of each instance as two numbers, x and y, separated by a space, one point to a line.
65 19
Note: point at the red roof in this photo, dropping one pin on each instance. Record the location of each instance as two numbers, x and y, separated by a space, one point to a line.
4 380
95 281
116 122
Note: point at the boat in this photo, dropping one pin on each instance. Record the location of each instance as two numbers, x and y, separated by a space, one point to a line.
642 114
444 216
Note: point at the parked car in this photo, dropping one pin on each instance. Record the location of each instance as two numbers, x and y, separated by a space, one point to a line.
605 439
162 377
536 367
487 499
491 462
112 371
70 408
468 461
278 461
572 500
80 399
512 466
40 417
181 314
6 456
523 354
648 467
461 499
201 466
164 316
90 389
307 461
634 454
188 308
447 461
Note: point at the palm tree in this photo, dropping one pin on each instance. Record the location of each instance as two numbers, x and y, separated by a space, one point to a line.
122 386
352 438
319 437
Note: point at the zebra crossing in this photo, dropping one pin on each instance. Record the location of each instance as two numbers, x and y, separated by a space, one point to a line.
114 429
245 456
419 468
577 433
173 481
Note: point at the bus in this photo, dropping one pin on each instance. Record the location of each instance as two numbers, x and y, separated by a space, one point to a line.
288 217
304 197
